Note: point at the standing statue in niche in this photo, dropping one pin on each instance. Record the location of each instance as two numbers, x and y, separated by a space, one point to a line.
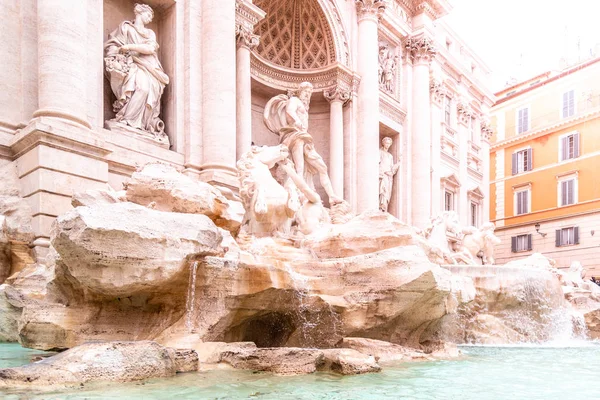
287 116
387 170
387 68
136 76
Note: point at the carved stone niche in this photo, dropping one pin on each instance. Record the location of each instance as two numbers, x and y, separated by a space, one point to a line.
163 25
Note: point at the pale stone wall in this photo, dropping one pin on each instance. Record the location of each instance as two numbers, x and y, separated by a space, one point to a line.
585 252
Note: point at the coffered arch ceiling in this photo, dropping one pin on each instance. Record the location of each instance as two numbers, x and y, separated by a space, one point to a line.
296 34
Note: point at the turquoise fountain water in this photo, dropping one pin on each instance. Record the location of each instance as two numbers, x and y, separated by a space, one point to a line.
549 372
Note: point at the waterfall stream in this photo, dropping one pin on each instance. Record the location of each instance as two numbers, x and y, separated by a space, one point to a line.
191 297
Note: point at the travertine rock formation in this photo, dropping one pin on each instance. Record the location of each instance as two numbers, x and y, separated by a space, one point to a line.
162 187
348 362
111 361
384 352
124 249
519 302
16 233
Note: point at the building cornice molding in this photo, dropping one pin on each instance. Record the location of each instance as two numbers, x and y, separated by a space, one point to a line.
545 130
284 79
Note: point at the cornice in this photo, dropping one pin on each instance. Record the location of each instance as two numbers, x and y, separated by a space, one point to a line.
545 131
282 78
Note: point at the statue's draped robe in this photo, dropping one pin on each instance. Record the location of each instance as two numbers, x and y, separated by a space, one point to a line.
386 178
139 90
275 118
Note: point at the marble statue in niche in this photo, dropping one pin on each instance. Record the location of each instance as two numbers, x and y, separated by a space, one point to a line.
387 68
387 170
287 116
136 76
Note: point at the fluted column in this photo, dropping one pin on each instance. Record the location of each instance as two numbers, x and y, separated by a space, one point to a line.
337 97
421 52
218 92
247 15
62 56
367 135
486 136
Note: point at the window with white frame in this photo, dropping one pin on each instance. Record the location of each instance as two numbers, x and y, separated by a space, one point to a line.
474 213
448 200
522 120
472 127
568 104
521 243
522 201
567 236
567 191
522 161
447 109
568 146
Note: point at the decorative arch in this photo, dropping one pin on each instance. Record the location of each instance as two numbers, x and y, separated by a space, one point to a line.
301 40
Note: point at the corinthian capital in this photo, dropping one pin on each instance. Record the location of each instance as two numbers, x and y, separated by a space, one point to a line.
370 9
337 93
245 36
247 15
421 49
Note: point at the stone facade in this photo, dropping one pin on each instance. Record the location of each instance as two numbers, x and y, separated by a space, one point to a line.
378 68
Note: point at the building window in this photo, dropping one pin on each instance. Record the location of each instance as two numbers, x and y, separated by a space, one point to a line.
568 146
474 213
567 192
520 243
522 199
568 104
448 200
522 161
447 109
567 236
472 130
522 120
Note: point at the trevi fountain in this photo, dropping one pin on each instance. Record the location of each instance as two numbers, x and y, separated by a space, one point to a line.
273 276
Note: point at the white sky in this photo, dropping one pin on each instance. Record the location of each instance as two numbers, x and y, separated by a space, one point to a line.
522 38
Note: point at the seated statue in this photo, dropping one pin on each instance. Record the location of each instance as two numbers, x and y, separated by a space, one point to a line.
136 76
287 116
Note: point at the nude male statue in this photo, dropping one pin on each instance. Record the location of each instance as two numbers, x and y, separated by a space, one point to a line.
287 116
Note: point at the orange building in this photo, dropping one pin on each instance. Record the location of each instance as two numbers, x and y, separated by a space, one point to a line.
545 167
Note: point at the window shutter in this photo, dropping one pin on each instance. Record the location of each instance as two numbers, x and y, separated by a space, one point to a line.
576 234
565 104
513 244
529 160
562 144
563 193
576 145
525 199
557 242
571 191
529 243
514 164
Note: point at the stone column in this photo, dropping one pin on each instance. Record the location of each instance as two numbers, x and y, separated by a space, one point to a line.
247 15
62 60
486 136
218 93
367 135
421 52
438 93
464 138
337 97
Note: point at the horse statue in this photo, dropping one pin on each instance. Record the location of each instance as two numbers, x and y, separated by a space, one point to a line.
269 205
481 241
436 234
